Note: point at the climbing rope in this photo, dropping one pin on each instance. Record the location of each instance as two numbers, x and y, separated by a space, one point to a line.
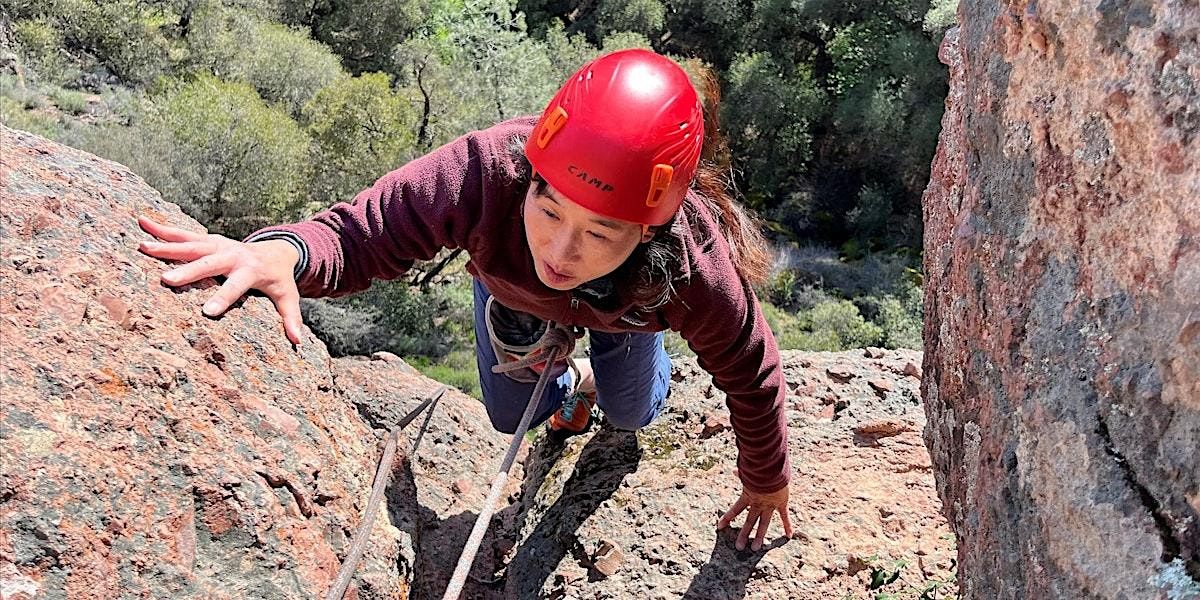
558 341
381 477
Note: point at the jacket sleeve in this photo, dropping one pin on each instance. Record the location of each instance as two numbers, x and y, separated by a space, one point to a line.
433 202
717 313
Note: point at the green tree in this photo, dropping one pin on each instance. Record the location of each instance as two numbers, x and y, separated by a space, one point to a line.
127 39
869 218
596 20
284 65
41 45
768 112
360 130
940 16
625 40
645 17
472 66
238 43
567 51
362 32
235 162
215 35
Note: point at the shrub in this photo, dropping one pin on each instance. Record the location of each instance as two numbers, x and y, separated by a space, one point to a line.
23 96
217 36
393 317
235 163
122 105
676 346
899 316
69 101
458 368
238 44
832 325
147 153
360 130
840 320
873 274
362 32
778 290
41 45
284 65
125 39
785 325
17 117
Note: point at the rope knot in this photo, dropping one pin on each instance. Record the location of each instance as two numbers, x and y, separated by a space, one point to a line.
558 341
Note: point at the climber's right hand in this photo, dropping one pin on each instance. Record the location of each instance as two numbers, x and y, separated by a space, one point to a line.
265 266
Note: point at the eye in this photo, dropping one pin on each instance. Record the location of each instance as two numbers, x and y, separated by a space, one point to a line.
549 214
598 236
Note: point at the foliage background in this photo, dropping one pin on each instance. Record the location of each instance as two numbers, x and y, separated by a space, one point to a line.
251 112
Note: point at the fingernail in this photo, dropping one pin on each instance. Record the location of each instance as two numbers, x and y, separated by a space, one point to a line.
150 245
170 274
210 308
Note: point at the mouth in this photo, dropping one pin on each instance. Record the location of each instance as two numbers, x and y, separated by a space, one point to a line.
555 276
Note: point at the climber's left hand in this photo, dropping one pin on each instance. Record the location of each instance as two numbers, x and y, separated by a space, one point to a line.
759 509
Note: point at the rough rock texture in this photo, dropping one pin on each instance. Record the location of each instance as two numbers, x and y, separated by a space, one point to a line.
452 470
1062 333
618 515
146 451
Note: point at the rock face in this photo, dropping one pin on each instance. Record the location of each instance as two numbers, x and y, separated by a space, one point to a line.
146 451
1062 333
618 515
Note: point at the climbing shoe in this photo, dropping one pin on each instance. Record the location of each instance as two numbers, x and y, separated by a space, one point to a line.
574 416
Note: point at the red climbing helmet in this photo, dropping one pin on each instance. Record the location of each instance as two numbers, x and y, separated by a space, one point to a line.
622 137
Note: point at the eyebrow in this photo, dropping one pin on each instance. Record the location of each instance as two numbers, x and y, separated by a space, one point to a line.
601 222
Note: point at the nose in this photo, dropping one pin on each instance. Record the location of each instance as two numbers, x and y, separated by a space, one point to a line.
564 248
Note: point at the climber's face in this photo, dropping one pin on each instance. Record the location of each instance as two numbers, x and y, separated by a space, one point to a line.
572 245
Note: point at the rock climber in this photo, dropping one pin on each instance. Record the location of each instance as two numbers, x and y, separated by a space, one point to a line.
609 213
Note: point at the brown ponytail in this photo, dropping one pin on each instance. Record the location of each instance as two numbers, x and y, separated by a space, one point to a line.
714 182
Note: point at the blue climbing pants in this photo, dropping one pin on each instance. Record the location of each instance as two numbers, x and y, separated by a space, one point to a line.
632 372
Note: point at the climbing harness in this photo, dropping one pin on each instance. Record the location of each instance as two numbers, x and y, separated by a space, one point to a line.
381 477
519 341
557 340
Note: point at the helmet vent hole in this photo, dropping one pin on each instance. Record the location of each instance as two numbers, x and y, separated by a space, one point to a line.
683 124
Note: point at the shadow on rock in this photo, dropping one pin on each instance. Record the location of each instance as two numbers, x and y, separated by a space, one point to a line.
602 464
437 542
727 571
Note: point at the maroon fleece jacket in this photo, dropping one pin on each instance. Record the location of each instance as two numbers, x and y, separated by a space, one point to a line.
467 194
